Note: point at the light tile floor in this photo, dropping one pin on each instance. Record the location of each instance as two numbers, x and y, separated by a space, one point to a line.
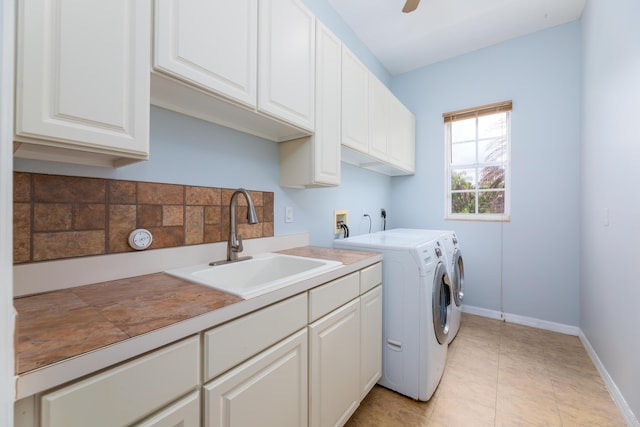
503 374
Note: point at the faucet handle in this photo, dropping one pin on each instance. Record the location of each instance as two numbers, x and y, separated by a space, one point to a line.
238 247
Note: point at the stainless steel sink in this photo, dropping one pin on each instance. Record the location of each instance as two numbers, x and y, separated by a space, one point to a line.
261 274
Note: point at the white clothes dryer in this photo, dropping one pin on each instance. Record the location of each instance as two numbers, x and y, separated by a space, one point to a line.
455 269
416 309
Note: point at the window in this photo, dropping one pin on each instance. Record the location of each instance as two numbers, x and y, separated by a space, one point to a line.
478 144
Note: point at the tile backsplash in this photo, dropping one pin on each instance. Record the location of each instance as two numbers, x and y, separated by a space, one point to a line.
59 217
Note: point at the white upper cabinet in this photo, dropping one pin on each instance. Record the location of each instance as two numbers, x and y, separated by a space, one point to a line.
328 107
82 81
286 63
314 161
242 64
209 44
392 131
378 132
402 136
379 97
355 103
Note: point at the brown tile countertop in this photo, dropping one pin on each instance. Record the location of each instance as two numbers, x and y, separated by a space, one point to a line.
57 325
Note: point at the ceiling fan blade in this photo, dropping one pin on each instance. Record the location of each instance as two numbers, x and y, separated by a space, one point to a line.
410 6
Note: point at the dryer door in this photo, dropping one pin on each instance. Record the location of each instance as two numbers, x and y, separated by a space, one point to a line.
458 277
441 299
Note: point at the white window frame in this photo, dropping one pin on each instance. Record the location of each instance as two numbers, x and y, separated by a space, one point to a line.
501 217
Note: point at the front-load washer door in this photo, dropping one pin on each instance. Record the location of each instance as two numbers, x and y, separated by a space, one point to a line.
458 277
441 299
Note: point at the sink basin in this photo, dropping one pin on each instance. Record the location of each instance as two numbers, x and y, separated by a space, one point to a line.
261 274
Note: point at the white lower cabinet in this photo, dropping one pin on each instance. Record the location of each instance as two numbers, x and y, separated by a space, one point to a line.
269 389
345 345
334 355
183 413
370 339
127 393
234 342
307 360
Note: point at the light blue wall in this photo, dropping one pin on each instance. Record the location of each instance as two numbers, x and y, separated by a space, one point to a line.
610 289
536 255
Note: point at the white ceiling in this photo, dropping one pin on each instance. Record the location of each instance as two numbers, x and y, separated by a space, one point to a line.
442 29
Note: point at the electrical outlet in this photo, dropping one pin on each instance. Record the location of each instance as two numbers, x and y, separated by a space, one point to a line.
338 216
288 214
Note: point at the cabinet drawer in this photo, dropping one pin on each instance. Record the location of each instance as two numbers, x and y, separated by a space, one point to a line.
332 295
230 344
183 413
128 392
370 277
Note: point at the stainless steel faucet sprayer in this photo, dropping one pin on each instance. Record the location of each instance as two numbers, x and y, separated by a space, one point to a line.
234 244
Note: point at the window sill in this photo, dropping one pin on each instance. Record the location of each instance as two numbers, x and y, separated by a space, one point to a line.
478 217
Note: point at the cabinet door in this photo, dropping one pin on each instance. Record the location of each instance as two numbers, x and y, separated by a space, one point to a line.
355 103
314 161
82 80
286 58
268 390
334 359
370 339
402 136
328 100
183 413
379 97
212 44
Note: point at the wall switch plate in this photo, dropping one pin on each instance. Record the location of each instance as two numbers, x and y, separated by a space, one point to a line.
288 214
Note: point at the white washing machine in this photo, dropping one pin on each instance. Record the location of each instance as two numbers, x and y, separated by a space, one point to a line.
455 269
416 309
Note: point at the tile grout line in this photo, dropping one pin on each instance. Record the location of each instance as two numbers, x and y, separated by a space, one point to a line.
553 387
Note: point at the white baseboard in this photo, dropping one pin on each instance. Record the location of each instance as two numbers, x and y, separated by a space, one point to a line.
617 397
484 312
542 324
522 320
